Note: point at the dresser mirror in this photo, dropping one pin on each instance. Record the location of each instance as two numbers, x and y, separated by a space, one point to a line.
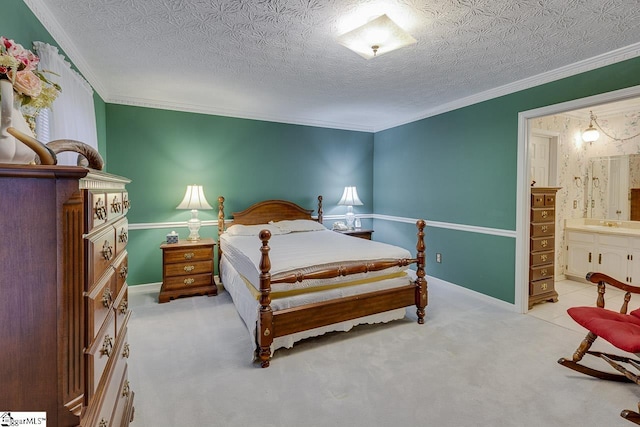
609 182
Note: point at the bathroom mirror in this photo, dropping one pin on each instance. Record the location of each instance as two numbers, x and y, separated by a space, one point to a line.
610 180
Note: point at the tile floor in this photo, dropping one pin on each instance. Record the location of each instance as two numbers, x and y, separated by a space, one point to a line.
572 294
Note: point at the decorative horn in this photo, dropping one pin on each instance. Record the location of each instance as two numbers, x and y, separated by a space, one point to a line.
45 154
89 153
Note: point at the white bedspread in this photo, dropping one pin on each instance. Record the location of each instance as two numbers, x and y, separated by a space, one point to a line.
306 251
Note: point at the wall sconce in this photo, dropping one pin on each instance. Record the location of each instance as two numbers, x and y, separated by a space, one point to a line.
194 199
350 199
376 37
591 134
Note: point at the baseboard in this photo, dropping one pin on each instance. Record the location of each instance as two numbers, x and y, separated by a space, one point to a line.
472 293
145 288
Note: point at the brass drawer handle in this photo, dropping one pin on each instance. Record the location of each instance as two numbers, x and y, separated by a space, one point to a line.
107 346
126 204
124 271
126 350
544 243
99 209
543 258
189 268
544 214
126 389
107 297
124 306
188 255
123 236
116 206
543 272
188 281
543 286
107 251
544 228
103 423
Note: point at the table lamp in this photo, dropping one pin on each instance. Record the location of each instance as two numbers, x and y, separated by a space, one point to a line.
350 199
194 199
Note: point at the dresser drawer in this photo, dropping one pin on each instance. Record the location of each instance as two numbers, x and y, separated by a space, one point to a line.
543 215
185 282
121 267
542 244
541 272
545 229
188 254
541 286
537 200
114 206
540 258
122 410
550 200
99 303
121 310
101 253
122 235
188 268
98 354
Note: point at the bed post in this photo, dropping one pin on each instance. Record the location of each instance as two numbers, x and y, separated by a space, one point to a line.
421 283
220 216
320 212
265 320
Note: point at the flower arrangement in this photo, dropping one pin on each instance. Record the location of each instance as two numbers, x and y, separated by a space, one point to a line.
32 88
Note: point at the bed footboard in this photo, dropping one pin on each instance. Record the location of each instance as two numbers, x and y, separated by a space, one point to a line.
328 312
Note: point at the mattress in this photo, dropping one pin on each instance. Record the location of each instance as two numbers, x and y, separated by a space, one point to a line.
306 252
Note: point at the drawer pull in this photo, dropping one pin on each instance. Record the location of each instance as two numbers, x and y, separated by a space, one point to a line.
126 389
544 243
107 346
123 236
124 306
543 286
544 214
189 268
543 272
107 251
599 258
544 228
188 255
543 257
126 204
107 297
99 209
188 281
125 351
103 423
124 271
116 206
589 257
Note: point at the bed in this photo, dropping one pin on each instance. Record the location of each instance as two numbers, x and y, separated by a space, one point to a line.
291 278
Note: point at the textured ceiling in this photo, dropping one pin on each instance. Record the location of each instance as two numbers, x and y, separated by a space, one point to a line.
279 60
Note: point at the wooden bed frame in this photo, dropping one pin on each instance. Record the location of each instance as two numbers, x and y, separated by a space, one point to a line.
273 324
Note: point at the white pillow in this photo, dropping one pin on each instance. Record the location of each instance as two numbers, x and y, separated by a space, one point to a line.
254 230
299 225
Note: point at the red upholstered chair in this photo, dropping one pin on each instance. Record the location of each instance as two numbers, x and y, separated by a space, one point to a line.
620 329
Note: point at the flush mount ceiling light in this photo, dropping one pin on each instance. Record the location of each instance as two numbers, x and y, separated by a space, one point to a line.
376 37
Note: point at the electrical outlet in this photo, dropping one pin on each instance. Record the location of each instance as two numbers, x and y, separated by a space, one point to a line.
575 204
438 257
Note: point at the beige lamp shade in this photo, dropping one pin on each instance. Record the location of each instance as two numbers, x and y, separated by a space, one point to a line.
194 199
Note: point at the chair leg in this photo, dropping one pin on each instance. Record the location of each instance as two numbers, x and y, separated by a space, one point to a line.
584 346
632 416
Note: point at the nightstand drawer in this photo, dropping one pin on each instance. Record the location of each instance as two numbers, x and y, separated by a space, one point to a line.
190 281
541 286
542 243
188 254
188 268
541 258
542 272
545 229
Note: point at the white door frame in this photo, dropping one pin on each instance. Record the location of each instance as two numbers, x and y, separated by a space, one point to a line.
523 201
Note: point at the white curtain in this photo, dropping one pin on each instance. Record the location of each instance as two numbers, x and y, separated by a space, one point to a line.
72 115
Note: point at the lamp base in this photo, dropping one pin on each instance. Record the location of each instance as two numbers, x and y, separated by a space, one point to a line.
194 225
350 218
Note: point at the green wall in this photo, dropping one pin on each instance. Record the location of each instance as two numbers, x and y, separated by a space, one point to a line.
461 167
17 22
243 160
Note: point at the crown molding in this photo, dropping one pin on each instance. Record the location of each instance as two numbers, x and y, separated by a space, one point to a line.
46 18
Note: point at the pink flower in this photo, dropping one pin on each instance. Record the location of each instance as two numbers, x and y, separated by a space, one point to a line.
27 58
27 83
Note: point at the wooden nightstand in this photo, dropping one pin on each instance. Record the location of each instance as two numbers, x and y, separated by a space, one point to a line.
187 269
358 232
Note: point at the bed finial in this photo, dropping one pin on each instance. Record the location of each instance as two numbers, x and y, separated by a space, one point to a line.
220 215
320 212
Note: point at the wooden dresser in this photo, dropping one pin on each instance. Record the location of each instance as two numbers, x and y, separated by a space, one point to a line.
542 245
64 309
187 269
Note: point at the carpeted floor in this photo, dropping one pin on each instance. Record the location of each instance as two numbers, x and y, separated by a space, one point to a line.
471 364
